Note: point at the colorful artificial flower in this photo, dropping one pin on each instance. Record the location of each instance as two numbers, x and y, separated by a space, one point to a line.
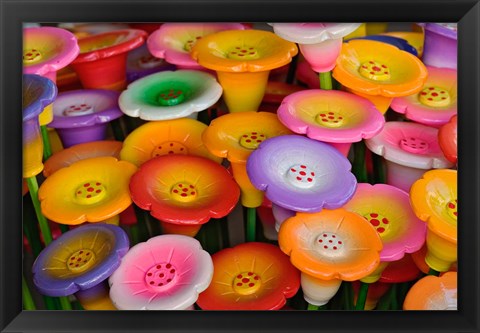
184 190
409 149
235 137
436 103
375 292
79 261
90 190
66 157
165 273
301 174
243 60
178 136
140 63
170 95
250 276
82 115
378 71
37 93
434 200
92 28
320 43
440 46
414 38
433 293
399 43
331 116
447 139
173 41
266 217
403 270
329 247
106 51
275 92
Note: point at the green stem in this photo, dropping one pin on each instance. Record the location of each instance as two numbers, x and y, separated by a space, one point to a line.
384 302
63 228
325 80
347 296
142 225
378 169
117 130
312 307
292 69
28 303
31 232
359 168
393 299
50 303
65 303
134 233
47 147
251 224
44 227
362 296
433 272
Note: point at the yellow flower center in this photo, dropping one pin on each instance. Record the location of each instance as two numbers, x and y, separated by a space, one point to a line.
374 70
330 119
301 176
160 276
184 192
90 193
252 140
81 260
434 97
31 56
148 61
246 283
243 53
190 43
78 110
414 145
378 221
452 209
170 97
329 244
170 147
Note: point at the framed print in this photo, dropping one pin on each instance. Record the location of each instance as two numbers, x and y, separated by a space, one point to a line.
239 166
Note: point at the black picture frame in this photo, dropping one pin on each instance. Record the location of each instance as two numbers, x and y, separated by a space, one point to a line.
14 12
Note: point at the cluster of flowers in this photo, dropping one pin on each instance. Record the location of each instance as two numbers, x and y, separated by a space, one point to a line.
283 151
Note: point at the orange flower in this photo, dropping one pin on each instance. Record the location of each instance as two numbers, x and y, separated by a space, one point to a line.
433 293
250 276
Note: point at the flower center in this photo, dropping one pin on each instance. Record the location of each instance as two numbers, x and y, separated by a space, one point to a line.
81 260
301 176
374 70
330 119
434 97
414 145
252 140
184 192
329 243
160 276
452 209
78 110
90 193
169 148
170 97
31 56
149 61
190 43
247 283
378 221
243 53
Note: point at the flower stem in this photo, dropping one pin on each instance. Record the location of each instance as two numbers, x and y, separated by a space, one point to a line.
47 147
65 303
393 297
312 307
325 80
63 228
347 295
28 303
433 272
378 169
359 167
117 130
362 296
292 69
251 224
134 234
44 227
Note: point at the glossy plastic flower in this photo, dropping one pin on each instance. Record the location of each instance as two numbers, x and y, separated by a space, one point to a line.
106 52
416 39
379 71
184 190
140 63
447 139
243 60
90 190
410 149
331 116
434 200
399 271
81 116
165 273
436 103
66 157
173 41
433 293
400 43
301 174
80 259
170 95
250 276
37 93
440 47
235 137
320 43
179 136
